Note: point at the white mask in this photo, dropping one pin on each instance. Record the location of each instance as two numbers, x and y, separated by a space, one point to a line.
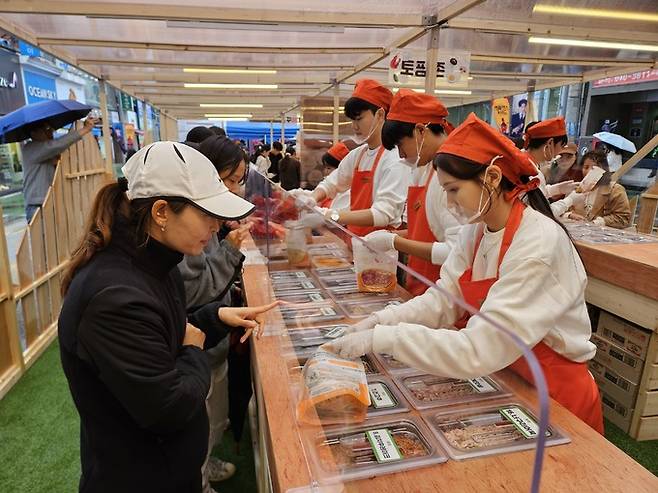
373 126
614 161
414 164
459 212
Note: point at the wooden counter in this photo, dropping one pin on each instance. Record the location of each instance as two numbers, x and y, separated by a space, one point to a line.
588 464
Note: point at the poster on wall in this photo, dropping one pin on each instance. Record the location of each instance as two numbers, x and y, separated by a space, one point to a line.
519 112
11 83
409 67
500 112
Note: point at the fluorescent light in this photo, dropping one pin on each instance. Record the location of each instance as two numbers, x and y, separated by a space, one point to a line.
453 91
229 119
230 105
193 70
600 13
326 124
320 108
196 85
592 44
226 115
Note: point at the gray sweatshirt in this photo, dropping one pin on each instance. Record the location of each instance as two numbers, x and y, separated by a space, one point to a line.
39 162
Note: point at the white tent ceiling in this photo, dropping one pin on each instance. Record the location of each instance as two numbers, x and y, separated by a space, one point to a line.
143 47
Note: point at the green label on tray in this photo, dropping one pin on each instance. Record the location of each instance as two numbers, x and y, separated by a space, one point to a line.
380 396
526 425
315 297
383 445
300 274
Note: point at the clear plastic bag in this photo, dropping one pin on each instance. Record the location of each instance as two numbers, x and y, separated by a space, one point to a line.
335 390
375 272
297 248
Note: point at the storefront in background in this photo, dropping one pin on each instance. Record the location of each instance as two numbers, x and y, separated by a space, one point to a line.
12 97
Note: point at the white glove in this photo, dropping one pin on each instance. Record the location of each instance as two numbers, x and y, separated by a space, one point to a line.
308 220
562 188
381 240
303 198
576 199
365 324
351 346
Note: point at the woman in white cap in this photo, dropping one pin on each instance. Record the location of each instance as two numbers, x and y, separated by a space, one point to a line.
134 363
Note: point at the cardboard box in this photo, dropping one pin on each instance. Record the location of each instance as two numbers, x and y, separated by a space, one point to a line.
630 337
616 412
617 359
616 386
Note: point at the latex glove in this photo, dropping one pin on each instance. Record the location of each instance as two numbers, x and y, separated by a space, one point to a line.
562 188
365 324
351 346
308 220
576 199
303 198
381 241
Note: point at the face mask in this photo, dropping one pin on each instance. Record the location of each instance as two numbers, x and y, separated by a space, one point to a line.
459 212
373 126
409 162
614 161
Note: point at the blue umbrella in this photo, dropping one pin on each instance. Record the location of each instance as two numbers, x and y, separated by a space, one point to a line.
16 125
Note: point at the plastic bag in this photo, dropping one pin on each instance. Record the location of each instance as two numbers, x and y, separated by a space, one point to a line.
335 391
297 248
375 272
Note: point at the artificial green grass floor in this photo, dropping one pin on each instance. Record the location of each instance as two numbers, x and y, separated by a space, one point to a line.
39 438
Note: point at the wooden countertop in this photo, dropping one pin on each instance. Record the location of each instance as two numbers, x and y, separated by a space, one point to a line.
632 267
588 464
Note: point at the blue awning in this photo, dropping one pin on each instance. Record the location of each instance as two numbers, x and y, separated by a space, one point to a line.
259 130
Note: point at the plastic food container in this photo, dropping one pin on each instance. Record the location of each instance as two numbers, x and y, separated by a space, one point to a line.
297 247
375 272
361 309
391 365
385 397
329 262
327 249
496 429
312 337
377 447
328 273
424 390
346 281
289 275
310 313
303 297
369 362
295 285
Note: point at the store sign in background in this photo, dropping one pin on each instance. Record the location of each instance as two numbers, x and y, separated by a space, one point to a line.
27 49
409 67
634 78
11 83
501 114
39 87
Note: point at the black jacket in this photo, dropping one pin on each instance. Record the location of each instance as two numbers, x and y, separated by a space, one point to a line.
140 393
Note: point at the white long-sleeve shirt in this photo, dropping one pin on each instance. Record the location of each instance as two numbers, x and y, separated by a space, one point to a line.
263 164
390 183
443 225
540 295
558 207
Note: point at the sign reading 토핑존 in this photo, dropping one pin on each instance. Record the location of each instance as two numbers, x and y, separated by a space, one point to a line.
409 67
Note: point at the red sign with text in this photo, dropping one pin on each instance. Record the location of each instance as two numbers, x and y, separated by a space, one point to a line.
634 78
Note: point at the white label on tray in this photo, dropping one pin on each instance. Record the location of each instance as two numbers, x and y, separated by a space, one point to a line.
326 310
336 332
380 396
315 297
481 385
383 445
308 285
520 419
300 274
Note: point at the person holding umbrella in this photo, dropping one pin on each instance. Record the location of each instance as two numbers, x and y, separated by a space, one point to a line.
613 145
37 122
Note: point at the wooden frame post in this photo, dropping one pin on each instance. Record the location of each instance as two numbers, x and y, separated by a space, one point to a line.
107 139
336 127
431 58
283 129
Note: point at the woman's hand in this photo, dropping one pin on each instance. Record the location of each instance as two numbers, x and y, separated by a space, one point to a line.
246 317
193 336
237 236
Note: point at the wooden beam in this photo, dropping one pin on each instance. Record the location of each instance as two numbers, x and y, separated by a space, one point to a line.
105 115
183 63
484 74
635 158
555 60
108 43
180 76
571 30
182 12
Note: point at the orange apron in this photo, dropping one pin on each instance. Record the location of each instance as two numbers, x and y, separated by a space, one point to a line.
361 192
569 382
419 230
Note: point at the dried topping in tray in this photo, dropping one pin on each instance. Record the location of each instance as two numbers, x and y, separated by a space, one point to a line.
376 281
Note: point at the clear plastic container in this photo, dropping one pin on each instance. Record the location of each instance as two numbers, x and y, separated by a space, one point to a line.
289 275
312 337
361 309
327 249
375 272
295 285
385 397
329 262
377 447
297 248
340 293
495 429
424 390
393 366
328 273
369 361
303 297
346 281
310 313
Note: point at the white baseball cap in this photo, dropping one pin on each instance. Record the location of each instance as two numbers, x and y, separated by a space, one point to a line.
173 170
